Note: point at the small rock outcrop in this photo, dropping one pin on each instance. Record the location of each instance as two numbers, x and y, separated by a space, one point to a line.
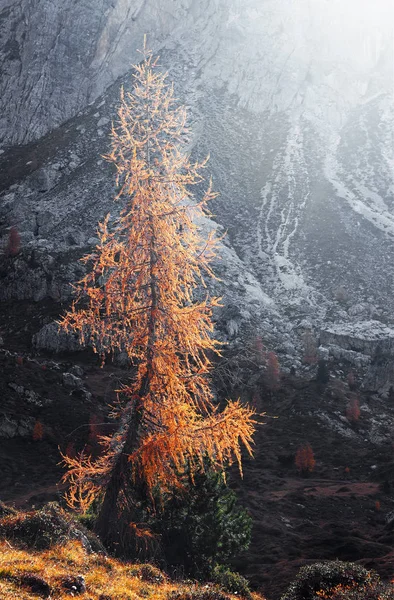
365 337
52 337
365 344
16 427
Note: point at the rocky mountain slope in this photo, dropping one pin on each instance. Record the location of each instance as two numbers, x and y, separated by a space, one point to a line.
293 101
294 104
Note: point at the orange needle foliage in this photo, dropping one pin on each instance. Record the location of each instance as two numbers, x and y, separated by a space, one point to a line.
138 298
305 459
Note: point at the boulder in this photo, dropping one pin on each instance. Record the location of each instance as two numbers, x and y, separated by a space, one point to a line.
71 381
52 337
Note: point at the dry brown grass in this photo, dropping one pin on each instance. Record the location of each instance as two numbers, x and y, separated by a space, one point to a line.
104 576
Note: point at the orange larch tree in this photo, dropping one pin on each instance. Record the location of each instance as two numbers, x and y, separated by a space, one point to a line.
353 410
38 431
138 298
272 372
305 459
310 347
13 243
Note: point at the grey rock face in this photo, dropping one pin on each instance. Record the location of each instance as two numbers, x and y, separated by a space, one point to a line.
51 337
58 56
367 337
293 103
29 395
364 344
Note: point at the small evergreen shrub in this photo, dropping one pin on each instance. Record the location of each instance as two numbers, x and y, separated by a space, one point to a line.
325 577
88 518
203 527
231 582
6 511
39 529
197 530
44 528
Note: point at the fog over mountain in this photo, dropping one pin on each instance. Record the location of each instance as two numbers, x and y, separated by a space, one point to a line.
294 102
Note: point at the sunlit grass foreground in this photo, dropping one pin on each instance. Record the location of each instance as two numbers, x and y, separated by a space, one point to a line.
105 578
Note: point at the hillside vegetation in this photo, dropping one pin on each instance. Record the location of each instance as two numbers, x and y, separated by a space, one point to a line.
69 570
49 554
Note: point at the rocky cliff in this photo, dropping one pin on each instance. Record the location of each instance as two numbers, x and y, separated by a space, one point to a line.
293 100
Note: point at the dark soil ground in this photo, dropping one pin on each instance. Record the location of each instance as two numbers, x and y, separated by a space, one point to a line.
340 511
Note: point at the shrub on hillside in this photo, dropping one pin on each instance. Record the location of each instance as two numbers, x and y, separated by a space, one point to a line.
13 243
372 591
197 529
38 432
325 577
148 573
272 372
353 410
203 527
323 372
305 459
229 581
6 511
44 528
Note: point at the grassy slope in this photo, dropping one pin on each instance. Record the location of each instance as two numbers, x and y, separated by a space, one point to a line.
105 577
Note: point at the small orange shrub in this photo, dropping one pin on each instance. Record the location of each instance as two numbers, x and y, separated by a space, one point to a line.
310 348
272 371
351 380
353 410
256 400
14 242
305 459
94 429
70 450
38 431
259 349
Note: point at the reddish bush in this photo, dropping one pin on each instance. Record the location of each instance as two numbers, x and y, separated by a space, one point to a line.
351 381
94 429
272 371
256 400
38 431
305 459
259 349
353 410
310 348
70 450
19 360
14 242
